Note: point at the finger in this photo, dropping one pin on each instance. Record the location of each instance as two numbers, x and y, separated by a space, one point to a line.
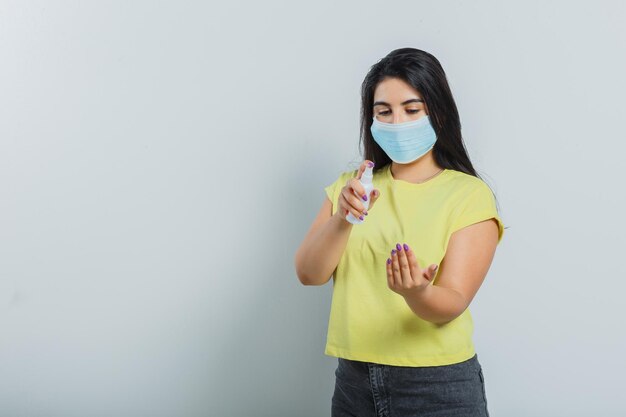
364 164
355 201
390 280
347 206
395 269
414 264
359 191
373 197
361 170
405 269
432 271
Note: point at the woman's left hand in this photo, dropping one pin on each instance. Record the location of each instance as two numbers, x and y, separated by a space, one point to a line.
404 275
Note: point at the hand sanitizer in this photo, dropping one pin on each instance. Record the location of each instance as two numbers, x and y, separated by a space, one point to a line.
366 182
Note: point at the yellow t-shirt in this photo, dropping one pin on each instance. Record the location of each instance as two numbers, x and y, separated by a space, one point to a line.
368 321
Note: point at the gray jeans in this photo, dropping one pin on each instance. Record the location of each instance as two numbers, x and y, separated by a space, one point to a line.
366 389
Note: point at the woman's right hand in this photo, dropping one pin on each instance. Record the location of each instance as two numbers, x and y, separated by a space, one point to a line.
349 202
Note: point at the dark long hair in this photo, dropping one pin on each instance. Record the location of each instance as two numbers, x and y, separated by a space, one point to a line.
424 73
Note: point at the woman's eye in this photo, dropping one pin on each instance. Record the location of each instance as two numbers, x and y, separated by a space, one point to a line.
386 112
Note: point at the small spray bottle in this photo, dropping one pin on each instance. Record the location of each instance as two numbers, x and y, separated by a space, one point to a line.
366 182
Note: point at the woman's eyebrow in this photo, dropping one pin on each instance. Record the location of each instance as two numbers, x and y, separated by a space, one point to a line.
413 100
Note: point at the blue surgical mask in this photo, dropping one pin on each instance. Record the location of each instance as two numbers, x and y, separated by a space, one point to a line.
404 142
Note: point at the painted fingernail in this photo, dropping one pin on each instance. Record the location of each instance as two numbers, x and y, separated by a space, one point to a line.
361 217
398 247
406 247
370 164
364 197
388 261
393 251
365 212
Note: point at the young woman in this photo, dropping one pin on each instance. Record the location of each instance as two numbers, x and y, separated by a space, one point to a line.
403 279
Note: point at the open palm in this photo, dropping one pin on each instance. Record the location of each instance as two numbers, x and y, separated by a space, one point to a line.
404 274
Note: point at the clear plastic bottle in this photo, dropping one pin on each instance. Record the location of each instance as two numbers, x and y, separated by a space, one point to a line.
366 182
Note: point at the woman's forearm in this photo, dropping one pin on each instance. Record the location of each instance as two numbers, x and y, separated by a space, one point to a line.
437 304
317 258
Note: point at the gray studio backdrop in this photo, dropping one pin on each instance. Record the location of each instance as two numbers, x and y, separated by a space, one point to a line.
160 162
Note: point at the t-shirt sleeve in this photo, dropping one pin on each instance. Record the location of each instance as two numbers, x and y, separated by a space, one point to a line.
478 205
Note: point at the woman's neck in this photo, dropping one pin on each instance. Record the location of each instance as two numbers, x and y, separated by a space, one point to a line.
417 171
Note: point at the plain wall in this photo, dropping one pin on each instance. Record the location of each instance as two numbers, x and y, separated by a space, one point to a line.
160 163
